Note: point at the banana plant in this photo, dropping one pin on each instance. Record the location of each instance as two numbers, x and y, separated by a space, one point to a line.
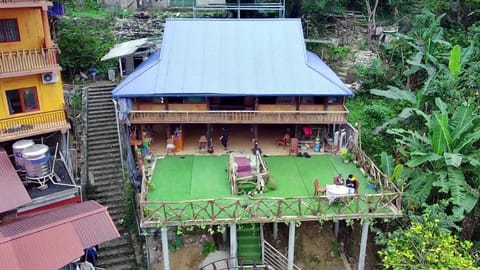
443 161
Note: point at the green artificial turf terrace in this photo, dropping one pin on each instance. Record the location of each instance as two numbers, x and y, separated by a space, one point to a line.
181 178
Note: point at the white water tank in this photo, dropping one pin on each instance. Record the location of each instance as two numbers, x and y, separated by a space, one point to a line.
37 160
18 148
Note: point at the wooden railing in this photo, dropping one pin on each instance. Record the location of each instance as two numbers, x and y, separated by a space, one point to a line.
368 166
19 61
239 117
265 209
32 124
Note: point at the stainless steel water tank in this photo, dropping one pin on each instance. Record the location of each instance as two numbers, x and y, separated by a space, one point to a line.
37 160
18 148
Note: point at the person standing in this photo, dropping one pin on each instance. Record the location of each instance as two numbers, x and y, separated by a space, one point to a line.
224 138
91 255
93 72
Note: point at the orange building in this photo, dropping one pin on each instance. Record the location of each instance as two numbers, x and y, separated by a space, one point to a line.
32 109
31 92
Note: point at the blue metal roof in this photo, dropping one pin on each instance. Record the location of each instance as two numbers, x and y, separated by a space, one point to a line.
232 58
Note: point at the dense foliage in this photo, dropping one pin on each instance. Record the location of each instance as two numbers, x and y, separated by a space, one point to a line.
427 243
84 36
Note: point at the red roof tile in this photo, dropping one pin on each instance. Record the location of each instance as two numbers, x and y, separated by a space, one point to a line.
52 239
12 192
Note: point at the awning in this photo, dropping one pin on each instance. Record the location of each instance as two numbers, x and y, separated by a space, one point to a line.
52 239
125 48
12 192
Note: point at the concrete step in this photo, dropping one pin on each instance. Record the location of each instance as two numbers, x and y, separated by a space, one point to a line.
101 113
110 151
103 142
108 132
111 186
94 104
102 125
106 197
108 174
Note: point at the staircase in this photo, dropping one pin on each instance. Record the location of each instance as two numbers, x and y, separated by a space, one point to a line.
105 175
248 244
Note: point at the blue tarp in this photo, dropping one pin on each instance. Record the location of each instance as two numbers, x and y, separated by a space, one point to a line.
232 58
56 10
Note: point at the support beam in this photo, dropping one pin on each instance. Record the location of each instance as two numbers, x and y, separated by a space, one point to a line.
336 227
166 255
275 230
291 244
233 245
262 241
363 245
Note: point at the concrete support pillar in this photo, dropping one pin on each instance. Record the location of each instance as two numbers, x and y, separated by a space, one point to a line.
275 230
336 227
262 238
233 245
291 244
166 255
363 245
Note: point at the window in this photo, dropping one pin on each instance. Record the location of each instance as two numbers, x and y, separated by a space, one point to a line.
334 100
22 100
285 100
9 30
194 100
311 100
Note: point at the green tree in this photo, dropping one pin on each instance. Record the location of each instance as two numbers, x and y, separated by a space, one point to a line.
443 159
426 243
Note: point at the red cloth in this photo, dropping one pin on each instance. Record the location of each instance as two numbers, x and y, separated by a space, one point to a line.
307 131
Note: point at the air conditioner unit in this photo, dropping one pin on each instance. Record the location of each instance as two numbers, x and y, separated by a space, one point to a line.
49 77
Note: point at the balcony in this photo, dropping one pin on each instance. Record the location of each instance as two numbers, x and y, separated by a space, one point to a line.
239 117
33 124
26 62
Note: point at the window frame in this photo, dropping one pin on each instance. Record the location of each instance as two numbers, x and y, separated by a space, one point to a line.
3 28
22 100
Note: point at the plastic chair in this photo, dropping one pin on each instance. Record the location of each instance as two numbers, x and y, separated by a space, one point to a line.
293 146
318 190
171 147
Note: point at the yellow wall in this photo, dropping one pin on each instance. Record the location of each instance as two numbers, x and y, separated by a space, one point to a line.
50 96
30 25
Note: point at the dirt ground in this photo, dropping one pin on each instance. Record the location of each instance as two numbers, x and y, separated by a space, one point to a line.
184 258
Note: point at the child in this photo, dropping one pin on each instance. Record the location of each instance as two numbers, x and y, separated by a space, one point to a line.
352 184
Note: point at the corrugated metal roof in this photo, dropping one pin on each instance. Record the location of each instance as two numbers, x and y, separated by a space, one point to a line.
125 48
12 192
52 239
232 58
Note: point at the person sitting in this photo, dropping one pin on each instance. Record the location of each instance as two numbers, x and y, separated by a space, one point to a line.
338 180
352 184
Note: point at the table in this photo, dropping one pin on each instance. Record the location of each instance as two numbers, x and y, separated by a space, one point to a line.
335 191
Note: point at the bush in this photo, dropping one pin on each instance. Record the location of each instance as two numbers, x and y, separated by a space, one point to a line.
271 184
208 248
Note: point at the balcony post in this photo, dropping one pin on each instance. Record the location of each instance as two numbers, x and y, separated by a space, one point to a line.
46 29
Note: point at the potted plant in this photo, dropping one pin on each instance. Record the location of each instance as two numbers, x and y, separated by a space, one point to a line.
371 183
347 156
